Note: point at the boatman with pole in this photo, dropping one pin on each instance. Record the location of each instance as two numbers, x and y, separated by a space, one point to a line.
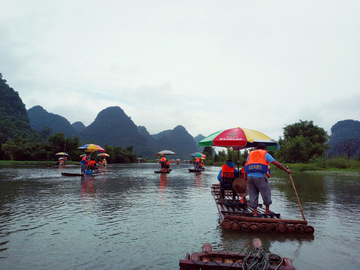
256 168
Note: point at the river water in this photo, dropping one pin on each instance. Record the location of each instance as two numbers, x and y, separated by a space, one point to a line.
133 218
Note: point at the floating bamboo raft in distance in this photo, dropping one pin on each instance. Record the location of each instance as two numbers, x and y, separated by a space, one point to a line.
163 171
193 170
239 216
72 174
79 174
218 260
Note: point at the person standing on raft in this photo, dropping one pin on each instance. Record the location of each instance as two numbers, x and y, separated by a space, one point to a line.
83 163
256 168
163 163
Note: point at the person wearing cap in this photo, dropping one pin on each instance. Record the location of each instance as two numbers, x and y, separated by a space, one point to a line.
256 168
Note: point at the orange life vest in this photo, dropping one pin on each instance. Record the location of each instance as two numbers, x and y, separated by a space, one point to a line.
226 168
257 162
84 160
163 159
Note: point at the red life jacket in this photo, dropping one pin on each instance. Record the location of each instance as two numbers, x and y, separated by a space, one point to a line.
226 168
257 162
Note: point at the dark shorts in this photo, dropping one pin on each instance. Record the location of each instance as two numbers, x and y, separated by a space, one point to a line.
258 185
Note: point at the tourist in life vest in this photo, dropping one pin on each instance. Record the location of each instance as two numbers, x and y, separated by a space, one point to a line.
201 164
167 164
84 163
163 163
256 168
92 165
227 167
197 161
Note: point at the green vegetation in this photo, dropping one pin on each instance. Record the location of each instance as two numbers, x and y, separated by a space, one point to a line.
20 149
14 121
302 141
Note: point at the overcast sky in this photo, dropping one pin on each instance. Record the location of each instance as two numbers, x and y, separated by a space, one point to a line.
205 65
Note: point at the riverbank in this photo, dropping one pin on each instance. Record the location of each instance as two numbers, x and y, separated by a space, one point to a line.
16 162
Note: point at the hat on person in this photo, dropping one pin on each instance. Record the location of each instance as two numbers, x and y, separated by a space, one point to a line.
240 187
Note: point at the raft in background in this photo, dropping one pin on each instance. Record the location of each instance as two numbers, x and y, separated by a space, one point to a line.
88 172
163 171
239 216
71 174
257 259
193 170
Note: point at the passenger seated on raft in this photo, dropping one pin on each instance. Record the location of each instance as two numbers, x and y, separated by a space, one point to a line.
227 169
92 165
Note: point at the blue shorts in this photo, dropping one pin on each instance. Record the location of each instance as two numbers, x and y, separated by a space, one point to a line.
258 185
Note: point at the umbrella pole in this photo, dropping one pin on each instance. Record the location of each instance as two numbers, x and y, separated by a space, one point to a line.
239 161
297 197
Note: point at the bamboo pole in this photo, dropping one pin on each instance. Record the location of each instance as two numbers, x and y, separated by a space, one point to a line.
297 197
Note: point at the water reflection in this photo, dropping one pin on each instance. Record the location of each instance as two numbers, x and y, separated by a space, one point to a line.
164 181
199 180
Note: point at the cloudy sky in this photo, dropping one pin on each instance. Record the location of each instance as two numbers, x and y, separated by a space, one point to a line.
205 65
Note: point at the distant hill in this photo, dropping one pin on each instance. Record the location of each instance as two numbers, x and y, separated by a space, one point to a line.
78 126
40 119
161 134
114 128
345 135
177 140
14 121
197 139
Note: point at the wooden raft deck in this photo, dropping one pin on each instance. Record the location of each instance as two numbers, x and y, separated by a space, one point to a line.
237 216
208 259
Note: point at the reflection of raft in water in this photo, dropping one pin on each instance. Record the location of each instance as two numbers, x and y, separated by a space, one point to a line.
239 216
257 259
163 171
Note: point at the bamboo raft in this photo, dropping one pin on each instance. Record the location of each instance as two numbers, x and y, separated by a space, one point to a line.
217 260
239 216
163 171
71 174
80 174
193 170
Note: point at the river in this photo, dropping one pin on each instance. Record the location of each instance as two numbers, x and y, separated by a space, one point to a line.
133 218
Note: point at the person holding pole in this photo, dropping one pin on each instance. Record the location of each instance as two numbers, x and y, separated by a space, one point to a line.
256 168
